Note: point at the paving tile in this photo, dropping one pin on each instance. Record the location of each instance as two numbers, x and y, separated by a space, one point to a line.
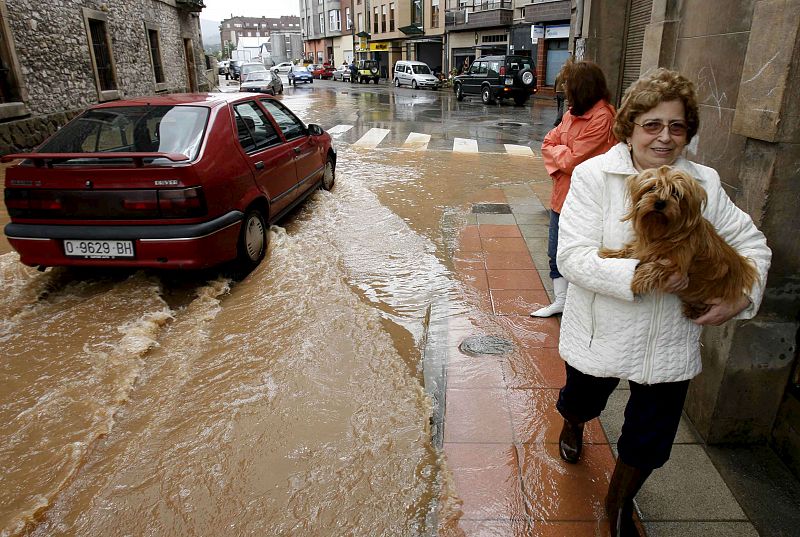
506 260
534 231
534 418
688 487
486 528
514 245
533 219
492 230
486 479
468 260
477 415
598 528
474 278
469 241
470 372
514 279
499 219
541 367
706 529
518 301
490 195
557 490
530 332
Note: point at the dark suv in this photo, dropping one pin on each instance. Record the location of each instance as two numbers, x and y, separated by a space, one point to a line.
498 77
235 69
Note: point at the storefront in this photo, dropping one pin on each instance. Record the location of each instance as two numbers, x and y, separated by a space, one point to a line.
386 53
552 41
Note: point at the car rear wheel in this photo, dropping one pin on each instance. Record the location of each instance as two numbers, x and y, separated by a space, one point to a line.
414 84
252 242
329 175
486 95
459 92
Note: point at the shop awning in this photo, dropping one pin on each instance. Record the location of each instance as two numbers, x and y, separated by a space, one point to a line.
412 29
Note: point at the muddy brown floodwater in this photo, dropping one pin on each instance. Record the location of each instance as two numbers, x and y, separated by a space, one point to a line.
290 403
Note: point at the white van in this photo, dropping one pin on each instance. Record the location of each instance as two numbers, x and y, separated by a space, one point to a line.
414 74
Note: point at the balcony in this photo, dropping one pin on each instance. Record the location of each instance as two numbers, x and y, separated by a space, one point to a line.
191 5
475 14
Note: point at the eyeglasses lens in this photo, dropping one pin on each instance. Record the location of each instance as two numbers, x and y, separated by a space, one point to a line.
676 128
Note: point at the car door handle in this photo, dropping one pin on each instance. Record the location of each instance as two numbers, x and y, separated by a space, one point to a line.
259 165
297 150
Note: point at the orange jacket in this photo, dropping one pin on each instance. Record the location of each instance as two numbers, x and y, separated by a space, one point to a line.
577 138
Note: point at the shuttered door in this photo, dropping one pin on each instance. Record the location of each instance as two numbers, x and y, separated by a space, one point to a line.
638 19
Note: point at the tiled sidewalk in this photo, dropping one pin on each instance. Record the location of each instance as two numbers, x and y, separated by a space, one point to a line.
500 424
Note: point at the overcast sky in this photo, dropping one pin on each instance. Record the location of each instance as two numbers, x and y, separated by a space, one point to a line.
217 10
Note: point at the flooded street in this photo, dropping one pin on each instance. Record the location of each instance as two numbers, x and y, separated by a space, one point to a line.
292 402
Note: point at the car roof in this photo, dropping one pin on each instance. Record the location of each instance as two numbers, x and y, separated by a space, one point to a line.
210 100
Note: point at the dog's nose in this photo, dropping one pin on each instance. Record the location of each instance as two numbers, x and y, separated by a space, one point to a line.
660 204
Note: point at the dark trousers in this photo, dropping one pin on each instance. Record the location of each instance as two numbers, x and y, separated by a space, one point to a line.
552 244
651 415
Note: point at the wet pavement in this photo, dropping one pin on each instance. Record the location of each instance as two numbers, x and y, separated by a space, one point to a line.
377 375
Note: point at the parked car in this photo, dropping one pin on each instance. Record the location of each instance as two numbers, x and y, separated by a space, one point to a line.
283 68
367 70
251 67
300 74
498 77
181 181
234 68
262 82
222 67
321 71
342 73
415 74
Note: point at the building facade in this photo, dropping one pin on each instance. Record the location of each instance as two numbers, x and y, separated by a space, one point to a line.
57 58
744 58
327 30
231 30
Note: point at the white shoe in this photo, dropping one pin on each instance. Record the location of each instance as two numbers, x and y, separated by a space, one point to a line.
560 291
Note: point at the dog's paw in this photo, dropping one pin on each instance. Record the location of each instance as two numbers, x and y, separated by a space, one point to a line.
645 278
608 253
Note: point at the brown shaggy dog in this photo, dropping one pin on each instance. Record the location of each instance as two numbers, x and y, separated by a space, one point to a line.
672 236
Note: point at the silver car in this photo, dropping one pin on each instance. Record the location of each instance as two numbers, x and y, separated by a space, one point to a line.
342 73
262 82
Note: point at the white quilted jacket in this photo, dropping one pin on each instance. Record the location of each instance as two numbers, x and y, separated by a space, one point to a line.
605 332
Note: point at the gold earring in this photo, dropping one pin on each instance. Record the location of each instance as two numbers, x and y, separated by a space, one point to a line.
630 146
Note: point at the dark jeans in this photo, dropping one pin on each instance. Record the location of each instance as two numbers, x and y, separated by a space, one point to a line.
651 415
552 244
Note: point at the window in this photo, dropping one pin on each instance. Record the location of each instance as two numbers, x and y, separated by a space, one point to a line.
100 54
360 26
289 124
322 23
155 55
348 19
416 13
375 20
391 17
434 13
334 20
253 128
11 92
383 18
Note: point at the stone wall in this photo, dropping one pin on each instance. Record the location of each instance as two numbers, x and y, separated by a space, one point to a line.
50 39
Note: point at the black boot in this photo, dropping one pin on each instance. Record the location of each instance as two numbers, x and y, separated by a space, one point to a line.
625 483
570 442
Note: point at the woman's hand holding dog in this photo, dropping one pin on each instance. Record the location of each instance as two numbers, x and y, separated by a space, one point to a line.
720 311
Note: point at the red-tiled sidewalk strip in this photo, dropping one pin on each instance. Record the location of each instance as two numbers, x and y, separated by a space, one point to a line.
501 426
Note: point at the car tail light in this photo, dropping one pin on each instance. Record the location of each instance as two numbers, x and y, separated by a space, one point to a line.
184 202
503 71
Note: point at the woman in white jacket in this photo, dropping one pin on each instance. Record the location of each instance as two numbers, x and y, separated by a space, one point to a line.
607 333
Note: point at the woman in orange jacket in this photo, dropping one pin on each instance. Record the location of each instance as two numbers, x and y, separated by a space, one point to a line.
584 132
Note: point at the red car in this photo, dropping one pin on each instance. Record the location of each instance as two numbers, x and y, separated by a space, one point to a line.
177 181
323 71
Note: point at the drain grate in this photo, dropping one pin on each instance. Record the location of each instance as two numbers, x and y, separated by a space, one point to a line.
481 345
509 124
491 208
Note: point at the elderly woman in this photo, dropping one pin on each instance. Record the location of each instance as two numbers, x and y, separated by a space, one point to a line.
607 333
584 132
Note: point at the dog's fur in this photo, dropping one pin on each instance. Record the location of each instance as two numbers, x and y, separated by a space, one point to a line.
672 236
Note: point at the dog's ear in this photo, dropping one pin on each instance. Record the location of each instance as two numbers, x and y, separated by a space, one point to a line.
693 197
633 186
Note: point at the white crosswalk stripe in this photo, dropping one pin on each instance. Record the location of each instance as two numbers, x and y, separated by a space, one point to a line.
372 138
339 129
465 145
522 150
417 141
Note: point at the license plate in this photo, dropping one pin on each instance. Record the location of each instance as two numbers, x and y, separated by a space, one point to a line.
98 249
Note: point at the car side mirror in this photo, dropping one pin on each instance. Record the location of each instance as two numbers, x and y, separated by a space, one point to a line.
314 129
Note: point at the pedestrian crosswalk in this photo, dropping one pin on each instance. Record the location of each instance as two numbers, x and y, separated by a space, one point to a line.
416 141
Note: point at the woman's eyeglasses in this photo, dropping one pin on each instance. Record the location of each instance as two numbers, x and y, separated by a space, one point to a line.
676 128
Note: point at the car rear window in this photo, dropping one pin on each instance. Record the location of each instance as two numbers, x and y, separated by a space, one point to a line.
518 64
139 129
